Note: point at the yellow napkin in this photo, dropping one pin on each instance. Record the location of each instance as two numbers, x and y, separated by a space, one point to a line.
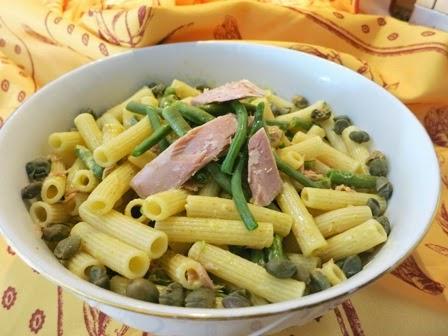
42 39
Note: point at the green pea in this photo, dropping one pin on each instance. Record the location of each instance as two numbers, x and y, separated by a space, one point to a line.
281 268
300 102
235 301
200 298
340 125
55 232
318 281
321 114
383 187
32 190
378 167
157 89
174 295
159 277
142 289
67 248
98 276
384 221
374 206
359 136
38 169
351 265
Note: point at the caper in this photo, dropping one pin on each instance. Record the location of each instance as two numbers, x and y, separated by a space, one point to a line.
351 265
359 136
159 277
378 167
97 275
38 169
374 206
55 232
384 221
281 268
280 110
300 102
200 298
32 190
321 114
235 300
318 281
342 117
142 289
340 125
157 89
67 247
302 273
173 295
383 187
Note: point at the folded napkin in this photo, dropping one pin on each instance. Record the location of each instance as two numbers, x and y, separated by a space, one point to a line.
42 39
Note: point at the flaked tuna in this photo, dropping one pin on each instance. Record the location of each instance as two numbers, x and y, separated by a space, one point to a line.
263 175
227 92
174 166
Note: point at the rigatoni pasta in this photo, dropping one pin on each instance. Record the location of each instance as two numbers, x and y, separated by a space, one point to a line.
235 182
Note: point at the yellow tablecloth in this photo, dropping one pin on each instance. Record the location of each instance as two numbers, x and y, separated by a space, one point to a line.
42 39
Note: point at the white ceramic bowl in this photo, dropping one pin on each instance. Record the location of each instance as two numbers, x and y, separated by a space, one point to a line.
414 168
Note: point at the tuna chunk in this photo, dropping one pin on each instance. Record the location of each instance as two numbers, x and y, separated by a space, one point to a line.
174 166
263 176
229 91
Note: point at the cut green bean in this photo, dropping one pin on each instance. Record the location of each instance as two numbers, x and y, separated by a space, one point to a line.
176 121
258 119
158 135
239 198
153 116
296 175
283 125
141 108
86 156
300 123
357 181
193 113
222 179
167 100
239 140
216 109
169 91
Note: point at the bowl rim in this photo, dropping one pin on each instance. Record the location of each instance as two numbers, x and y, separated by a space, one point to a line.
182 313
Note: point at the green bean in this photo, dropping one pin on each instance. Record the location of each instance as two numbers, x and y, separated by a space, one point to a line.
351 265
159 277
300 123
238 140
167 100
98 276
176 121
383 187
357 181
169 91
38 170
143 109
156 137
385 223
222 179
174 295
374 205
55 232
193 114
142 289
340 125
200 298
235 300
67 248
359 136
153 116
257 256
157 89
283 125
296 175
86 156
239 198
300 102
258 119
216 109
318 281
278 265
32 190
